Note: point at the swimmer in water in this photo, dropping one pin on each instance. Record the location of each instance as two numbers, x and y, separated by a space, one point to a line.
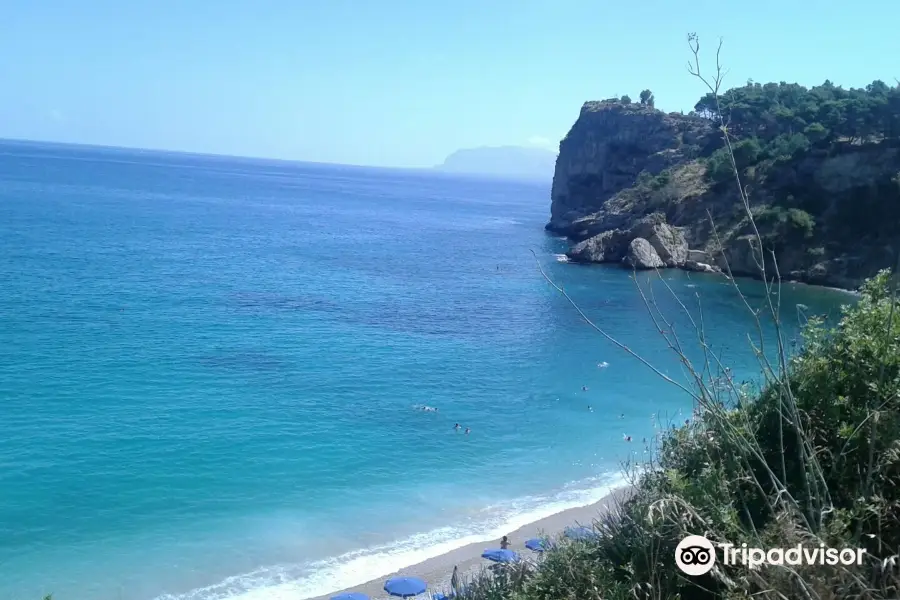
622 416
584 388
467 431
456 426
589 408
627 438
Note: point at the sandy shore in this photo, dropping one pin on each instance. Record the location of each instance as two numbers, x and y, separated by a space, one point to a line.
437 571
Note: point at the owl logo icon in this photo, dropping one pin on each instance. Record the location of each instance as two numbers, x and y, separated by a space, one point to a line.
695 555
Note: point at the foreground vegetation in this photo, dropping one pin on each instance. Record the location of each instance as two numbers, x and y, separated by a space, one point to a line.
811 455
812 458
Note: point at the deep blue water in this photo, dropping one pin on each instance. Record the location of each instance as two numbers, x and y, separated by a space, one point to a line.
209 368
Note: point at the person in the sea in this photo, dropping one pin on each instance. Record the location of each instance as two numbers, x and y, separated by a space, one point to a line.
504 543
467 430
584 388
456 426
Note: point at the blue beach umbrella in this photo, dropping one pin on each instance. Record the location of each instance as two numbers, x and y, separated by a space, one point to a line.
405 586
579 533
500 556
535 544
350 596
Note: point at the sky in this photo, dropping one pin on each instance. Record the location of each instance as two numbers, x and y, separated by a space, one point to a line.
396 82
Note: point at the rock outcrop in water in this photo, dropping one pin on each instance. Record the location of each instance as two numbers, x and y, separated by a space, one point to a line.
637 186
642 255
668 244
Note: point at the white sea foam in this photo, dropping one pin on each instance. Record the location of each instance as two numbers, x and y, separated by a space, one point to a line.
561 258
302 581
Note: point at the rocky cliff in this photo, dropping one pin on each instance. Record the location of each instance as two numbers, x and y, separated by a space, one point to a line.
633 185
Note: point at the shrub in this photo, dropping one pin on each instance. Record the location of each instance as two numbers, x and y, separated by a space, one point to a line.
746 154
785 223
801 221
816 132
784 147
718 166
661 180
814 457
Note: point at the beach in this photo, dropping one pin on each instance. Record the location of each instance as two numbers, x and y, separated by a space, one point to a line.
437 571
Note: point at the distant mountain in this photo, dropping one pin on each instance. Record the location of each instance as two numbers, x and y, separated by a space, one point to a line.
512 162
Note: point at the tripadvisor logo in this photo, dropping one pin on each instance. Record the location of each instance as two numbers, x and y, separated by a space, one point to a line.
695 555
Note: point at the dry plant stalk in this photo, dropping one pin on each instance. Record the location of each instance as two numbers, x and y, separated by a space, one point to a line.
806 520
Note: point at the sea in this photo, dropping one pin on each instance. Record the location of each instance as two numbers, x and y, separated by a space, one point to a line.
212 368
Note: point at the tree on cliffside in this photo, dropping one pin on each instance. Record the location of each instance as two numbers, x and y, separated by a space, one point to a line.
647 98
626 99
826 114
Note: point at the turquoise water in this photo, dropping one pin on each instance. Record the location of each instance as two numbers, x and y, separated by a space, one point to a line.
209 368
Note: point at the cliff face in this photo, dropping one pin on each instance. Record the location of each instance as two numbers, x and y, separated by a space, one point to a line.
608 147
629 172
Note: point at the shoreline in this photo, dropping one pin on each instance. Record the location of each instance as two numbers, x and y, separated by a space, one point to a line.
737 276
560 234
437 571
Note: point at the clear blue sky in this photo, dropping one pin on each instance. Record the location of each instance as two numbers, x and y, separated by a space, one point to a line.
395 82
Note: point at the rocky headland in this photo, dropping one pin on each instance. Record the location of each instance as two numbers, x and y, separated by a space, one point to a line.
648 189
509 162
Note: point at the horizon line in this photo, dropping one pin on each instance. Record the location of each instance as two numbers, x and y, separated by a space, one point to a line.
434 169
198 154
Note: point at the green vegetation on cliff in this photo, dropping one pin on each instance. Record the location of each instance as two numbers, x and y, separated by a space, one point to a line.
785 118
779 126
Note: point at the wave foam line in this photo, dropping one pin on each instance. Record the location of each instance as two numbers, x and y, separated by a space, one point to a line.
318 578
